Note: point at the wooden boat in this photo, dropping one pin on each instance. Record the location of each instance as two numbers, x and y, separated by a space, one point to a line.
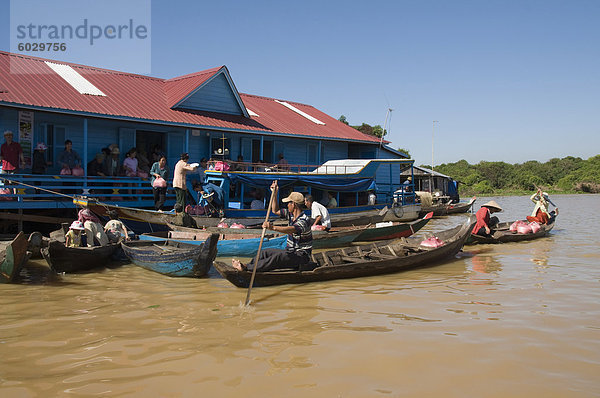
75 259
394 231
230 243
443 208
503 234
13 256
244 242
373 259
173 258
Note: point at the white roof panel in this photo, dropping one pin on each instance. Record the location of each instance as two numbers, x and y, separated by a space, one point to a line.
78 82
298 111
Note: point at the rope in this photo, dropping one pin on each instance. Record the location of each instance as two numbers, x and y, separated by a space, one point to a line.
41 189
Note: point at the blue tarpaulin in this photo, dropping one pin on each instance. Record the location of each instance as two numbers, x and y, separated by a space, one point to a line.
329 183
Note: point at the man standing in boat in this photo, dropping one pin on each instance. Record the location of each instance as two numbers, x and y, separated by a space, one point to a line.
299 240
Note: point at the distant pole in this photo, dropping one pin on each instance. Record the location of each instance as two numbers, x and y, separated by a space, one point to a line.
432 135
388 113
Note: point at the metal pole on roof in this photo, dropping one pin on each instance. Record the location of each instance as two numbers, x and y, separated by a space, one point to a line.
388 113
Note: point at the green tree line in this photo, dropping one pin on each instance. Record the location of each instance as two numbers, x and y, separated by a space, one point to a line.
569 174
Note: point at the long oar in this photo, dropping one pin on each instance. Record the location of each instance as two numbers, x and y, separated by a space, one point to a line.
262 237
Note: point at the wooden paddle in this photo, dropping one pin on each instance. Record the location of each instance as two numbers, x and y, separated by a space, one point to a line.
262 237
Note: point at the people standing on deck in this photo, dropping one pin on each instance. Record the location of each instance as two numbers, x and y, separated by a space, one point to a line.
69 159
179 178
239 165
143 162
157 153
541 212
112 165
319 213
39 163
372 198
73 236
130 163
282 164
93 228
299 240
332 200
159 170
95 168
257 202
407 185
11 155
201 169
484 220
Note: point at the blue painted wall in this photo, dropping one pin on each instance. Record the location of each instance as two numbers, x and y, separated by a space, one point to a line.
214 96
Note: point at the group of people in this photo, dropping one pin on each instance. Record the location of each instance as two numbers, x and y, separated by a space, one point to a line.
541 213
88 225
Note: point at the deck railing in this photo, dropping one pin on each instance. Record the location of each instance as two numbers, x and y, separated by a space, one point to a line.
244 167
36 191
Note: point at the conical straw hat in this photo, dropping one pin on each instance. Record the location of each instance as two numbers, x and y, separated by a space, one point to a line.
492 204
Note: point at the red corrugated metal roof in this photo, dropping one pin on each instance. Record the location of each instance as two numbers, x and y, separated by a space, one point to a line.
32 82
179 87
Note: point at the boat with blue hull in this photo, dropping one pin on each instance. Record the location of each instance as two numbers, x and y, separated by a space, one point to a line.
173 258
229 245
348 180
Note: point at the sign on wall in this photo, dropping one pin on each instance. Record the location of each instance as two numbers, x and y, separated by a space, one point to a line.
26 136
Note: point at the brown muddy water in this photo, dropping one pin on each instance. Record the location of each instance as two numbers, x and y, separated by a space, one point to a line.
512 320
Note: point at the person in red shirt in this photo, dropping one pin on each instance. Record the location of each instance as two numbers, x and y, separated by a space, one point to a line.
484 219
11 154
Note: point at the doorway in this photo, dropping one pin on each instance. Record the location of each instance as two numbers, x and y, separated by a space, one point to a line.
147 141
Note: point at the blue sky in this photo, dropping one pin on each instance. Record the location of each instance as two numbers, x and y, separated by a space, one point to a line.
507 80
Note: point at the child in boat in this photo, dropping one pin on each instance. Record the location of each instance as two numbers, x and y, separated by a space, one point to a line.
115 229
73 237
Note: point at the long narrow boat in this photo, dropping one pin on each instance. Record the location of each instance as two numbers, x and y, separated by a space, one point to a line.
13 256
502 234
374 259
394 231
229 245
173 258
443 209
244 242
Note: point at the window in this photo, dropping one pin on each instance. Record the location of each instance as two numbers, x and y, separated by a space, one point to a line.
220 147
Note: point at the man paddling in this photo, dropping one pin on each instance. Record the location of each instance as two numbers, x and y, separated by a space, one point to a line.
299 240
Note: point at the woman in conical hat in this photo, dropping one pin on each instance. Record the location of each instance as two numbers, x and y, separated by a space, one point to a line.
484 219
